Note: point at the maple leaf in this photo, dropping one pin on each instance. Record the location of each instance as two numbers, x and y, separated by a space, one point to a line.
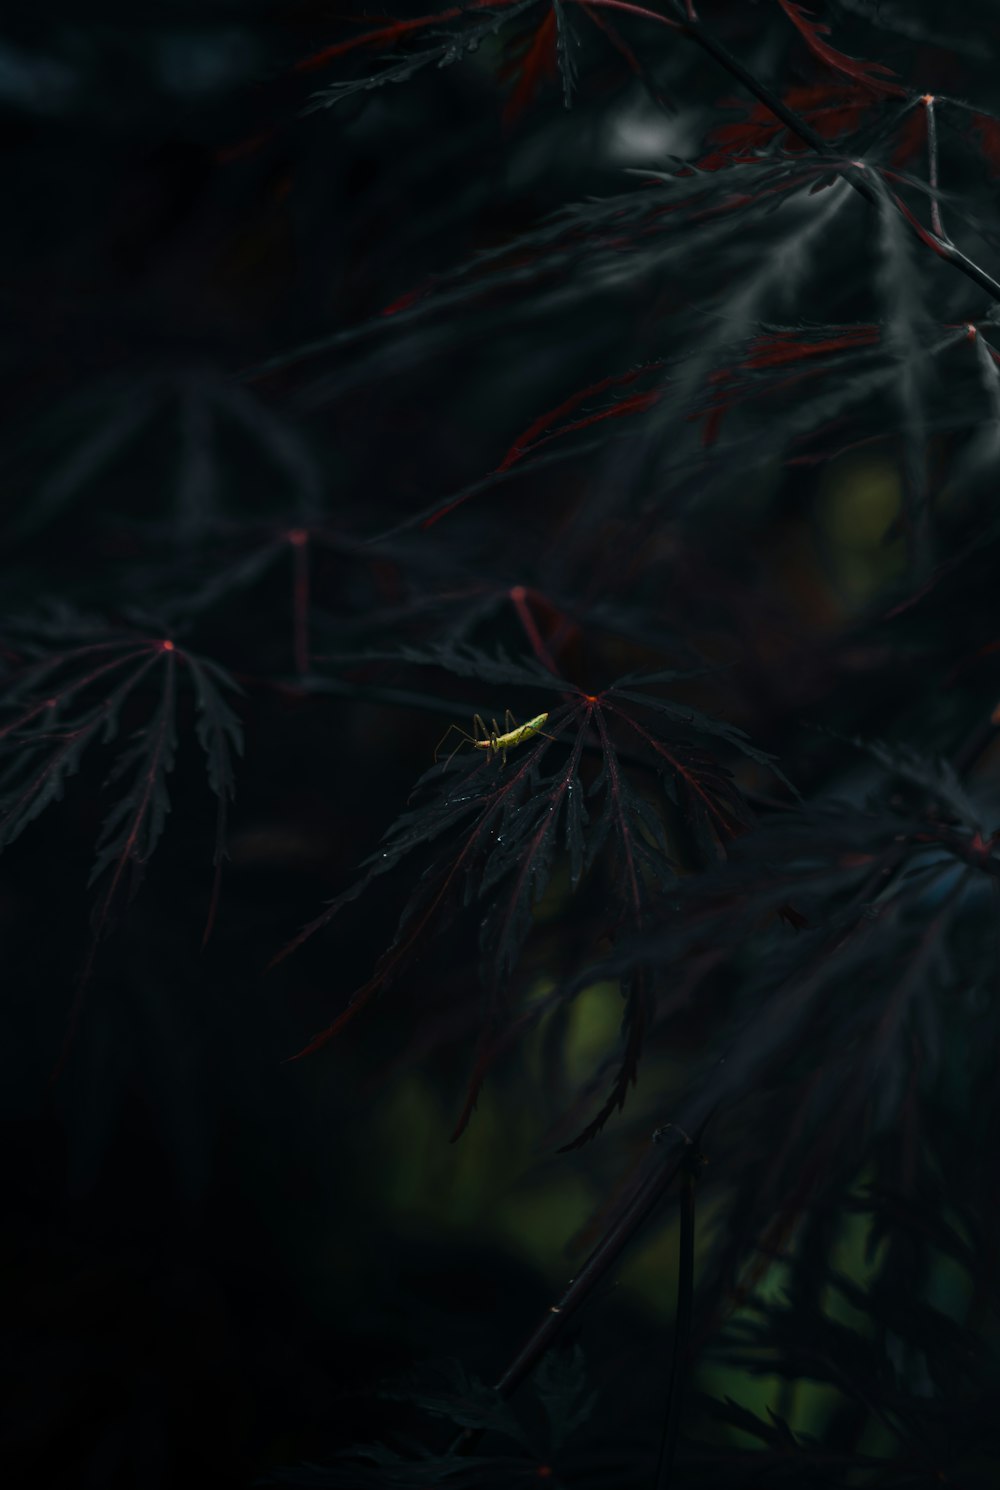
506 827
66 699
897 901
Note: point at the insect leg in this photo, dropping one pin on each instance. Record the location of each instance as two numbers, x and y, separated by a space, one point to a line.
496 737
444 737
437 747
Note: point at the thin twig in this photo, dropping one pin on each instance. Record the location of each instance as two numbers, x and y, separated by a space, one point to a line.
604 1256
682 1322
932 166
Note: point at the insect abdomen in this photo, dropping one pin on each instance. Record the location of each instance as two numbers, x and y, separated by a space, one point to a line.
523 731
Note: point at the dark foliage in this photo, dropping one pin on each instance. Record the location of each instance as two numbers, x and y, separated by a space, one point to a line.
368 372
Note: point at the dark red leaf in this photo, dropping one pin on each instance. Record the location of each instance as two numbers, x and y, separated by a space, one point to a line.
383 35
870 75
833 110
531 62
536 434
776 348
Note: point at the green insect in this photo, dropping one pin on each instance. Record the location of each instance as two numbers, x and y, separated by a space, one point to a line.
493 740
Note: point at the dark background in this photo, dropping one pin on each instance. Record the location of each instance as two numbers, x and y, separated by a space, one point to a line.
211 1258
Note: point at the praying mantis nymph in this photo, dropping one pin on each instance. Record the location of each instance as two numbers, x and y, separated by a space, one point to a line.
493 740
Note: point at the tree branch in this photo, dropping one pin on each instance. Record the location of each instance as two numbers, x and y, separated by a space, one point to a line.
651 1191
854 175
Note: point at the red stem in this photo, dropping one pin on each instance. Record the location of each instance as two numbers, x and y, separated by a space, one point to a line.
519 600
